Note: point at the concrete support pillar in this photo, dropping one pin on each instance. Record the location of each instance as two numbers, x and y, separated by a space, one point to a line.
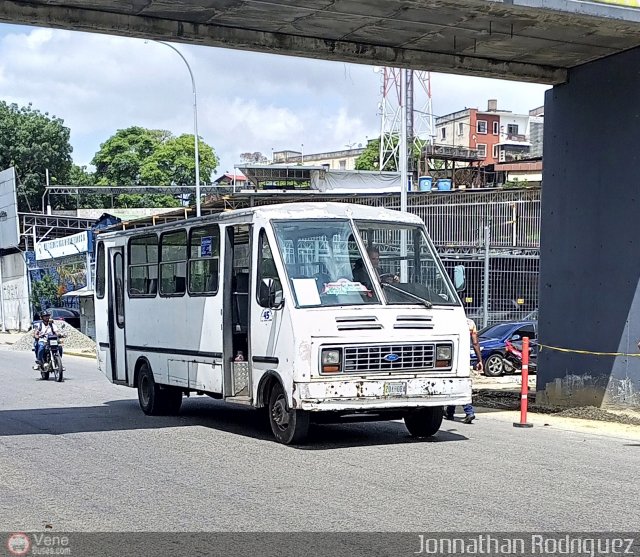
590 239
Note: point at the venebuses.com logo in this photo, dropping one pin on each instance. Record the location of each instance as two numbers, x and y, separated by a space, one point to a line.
18 543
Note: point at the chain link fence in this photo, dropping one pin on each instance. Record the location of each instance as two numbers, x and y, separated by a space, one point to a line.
494 233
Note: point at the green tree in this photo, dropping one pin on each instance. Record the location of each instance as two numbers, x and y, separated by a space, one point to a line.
44 293
253 158
80 176
370 158
33 142
141 157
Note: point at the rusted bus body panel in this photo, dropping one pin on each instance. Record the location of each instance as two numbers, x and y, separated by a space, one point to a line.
369 394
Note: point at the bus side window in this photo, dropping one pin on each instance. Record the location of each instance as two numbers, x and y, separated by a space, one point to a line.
101 272
204 253
173 263
143 266
266 270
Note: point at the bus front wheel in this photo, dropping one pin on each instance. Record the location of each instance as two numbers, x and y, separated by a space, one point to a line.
424 422
290 427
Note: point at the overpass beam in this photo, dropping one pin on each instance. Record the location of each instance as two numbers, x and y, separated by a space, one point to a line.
155 28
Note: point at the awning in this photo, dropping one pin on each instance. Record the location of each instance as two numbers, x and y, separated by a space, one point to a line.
80 293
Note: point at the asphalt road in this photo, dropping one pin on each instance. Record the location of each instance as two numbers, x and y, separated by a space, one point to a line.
81 456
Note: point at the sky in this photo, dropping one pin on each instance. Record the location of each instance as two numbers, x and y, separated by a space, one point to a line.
246 101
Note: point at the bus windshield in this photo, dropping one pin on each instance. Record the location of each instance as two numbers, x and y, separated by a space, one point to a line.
324 263
406 264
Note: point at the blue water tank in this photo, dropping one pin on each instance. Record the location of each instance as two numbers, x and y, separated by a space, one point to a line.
443 185
425 183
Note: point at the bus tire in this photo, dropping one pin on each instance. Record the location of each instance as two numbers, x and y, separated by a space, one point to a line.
154 399
171 398
289 427
147 391
424 422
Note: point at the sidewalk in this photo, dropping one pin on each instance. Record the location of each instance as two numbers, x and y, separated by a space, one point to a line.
505 390
562 423
9 339
504 382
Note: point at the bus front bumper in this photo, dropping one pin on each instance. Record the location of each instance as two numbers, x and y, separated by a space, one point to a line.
381 394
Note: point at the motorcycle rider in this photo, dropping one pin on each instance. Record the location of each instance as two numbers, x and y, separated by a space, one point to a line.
40 332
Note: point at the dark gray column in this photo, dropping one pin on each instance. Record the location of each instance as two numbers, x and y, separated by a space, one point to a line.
590 253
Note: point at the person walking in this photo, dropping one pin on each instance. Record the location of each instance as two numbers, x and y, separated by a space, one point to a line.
469 413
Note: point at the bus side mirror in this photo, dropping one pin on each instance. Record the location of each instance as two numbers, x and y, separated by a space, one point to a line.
271 294
459 279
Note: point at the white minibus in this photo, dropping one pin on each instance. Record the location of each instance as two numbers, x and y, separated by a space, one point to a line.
314 311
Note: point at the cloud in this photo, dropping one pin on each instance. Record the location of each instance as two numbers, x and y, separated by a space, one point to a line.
246 101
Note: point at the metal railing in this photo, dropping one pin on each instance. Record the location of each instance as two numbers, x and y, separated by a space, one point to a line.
506 268
458 223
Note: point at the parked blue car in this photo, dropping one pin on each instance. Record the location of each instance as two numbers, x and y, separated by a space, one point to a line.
492 343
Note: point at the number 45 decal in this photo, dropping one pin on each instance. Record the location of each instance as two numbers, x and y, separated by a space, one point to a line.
267 315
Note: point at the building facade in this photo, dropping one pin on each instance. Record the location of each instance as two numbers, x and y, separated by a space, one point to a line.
236 179
332 160
498 136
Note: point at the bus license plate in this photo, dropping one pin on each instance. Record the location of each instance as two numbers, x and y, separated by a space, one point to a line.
395 389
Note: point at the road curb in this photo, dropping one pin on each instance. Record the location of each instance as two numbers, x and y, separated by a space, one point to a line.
80 354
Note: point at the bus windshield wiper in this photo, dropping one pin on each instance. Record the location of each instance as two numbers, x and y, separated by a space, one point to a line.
424 302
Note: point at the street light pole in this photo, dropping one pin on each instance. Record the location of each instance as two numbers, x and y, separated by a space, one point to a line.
402 159
195 124
404 172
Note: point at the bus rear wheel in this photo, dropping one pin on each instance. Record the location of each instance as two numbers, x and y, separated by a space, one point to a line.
154 399
424 422
289 427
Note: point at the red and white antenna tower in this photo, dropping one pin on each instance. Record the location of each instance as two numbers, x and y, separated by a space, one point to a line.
419 107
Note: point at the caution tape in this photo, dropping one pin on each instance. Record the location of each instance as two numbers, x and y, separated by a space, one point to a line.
625 3
587 352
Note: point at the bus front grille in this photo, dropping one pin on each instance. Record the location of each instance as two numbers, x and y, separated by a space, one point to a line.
389 357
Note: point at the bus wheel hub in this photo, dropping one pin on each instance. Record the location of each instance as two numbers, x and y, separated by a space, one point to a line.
279 413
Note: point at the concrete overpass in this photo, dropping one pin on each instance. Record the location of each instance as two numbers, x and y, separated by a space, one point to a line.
511 39
590 267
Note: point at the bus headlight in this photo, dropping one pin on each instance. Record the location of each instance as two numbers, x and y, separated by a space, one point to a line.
443 355
330 360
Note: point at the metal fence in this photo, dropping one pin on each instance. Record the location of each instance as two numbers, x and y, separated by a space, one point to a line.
496 236
494 233
455 219
512 287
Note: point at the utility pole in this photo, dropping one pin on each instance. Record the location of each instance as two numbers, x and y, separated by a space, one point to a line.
195 124
404 174
485 282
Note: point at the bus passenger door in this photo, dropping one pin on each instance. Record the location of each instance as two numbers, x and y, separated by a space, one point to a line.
236 312
115 317
265 317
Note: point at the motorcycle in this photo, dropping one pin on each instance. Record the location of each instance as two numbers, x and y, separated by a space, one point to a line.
51 358
512 359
